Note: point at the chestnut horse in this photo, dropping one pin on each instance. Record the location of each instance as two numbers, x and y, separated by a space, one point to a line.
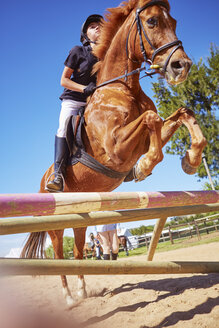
89 250
123 243
121 122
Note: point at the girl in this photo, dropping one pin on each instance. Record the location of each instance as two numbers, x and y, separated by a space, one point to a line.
79 83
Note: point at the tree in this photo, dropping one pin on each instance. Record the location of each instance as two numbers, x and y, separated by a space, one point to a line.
199 92
141 230
68 243
207 186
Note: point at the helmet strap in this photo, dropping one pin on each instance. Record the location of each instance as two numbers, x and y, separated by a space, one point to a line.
87 40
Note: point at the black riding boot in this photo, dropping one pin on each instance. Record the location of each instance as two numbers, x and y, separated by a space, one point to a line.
60 164
114 256
106 257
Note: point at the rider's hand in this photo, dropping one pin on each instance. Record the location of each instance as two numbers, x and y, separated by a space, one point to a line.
89 89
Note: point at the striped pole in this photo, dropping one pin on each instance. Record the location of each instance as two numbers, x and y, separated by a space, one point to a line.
12 205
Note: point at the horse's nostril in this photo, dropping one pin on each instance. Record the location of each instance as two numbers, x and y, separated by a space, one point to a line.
176 65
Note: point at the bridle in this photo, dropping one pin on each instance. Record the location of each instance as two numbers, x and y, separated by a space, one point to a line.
140 29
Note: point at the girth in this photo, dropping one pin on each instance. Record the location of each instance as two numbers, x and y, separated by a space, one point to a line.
74 138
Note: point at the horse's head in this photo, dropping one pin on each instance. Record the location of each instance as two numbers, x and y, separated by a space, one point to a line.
157 41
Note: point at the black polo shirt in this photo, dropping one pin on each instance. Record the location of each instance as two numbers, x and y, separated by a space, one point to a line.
81 61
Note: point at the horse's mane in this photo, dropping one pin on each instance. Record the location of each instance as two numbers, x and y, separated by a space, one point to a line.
114 18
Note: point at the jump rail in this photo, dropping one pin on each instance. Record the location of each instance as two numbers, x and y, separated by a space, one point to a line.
69 203
64 221
76 267
65 210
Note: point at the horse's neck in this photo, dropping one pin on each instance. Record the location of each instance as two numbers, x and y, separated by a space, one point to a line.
117 63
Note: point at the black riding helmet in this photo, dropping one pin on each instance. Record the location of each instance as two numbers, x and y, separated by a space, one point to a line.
92 18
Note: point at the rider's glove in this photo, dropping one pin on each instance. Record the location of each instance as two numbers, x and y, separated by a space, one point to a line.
89 89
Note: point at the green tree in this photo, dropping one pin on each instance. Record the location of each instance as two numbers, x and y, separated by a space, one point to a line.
207 186
141 230
199 92
68 243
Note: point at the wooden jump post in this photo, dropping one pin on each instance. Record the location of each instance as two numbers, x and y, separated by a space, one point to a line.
67 210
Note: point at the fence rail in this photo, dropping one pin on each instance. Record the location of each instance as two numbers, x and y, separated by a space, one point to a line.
76 267
65 210
12 205
55 222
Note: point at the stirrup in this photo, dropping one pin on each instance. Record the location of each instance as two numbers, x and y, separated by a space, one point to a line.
52 190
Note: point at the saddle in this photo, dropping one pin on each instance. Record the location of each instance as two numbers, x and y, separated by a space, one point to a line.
77 149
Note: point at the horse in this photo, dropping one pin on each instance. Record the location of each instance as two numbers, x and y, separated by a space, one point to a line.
91 250
123 243
122 129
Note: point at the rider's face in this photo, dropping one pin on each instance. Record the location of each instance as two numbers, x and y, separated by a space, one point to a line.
93 31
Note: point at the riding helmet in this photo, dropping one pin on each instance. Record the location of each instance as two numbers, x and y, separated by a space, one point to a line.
92 18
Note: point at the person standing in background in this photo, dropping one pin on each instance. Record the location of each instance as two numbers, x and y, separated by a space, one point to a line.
107 235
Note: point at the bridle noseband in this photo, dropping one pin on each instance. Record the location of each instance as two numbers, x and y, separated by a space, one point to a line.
140 29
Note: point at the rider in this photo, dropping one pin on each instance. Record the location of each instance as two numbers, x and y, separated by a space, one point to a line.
79 83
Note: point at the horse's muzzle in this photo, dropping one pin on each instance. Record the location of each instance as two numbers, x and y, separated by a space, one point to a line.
177 70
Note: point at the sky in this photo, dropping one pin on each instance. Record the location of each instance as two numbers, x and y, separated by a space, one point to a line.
36 36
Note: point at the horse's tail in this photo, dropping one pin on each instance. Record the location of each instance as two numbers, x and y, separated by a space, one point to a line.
34 247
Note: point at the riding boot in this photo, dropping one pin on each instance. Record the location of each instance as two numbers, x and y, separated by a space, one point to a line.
60 164
106 257
114 256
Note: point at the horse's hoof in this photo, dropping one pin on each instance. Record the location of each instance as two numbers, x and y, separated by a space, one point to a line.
82 294
187 168
138 174
70 302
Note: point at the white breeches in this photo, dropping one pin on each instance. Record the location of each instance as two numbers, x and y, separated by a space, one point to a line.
68 108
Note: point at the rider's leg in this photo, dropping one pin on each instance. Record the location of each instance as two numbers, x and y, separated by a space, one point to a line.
68 108
60 164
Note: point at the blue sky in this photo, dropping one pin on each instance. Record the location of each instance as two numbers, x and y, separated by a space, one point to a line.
36 36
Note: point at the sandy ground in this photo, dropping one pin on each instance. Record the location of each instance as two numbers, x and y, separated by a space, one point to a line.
141 301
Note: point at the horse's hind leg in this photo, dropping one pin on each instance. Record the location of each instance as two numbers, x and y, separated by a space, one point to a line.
79 235
193 156
57 242
154 154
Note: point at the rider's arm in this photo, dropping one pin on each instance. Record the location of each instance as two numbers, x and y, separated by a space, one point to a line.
67 83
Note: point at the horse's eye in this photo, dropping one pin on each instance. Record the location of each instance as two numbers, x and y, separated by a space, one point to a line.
152 22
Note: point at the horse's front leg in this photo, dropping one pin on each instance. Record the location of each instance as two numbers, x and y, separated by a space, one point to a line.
141 136
79 235
193 157
154 154
57 242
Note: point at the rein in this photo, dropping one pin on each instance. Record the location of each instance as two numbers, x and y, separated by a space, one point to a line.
140 28
124 76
